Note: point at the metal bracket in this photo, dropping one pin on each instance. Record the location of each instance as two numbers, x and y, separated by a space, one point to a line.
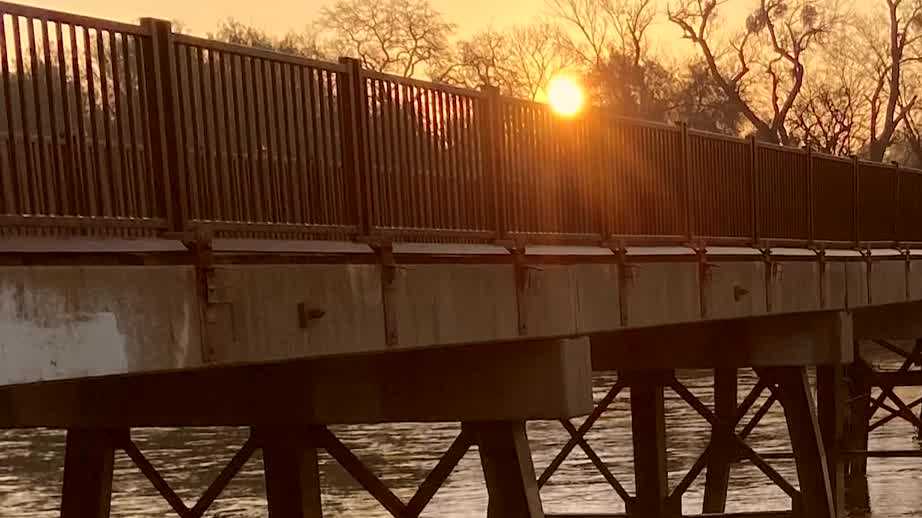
389 268
521 287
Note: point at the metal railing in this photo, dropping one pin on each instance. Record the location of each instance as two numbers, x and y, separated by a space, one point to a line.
114 129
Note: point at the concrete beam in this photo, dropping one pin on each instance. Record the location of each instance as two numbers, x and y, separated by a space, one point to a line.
814 338
514 381
902 321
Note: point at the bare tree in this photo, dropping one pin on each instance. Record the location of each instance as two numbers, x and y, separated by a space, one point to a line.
765 60
606 27
826 117
402 37
699 101
610 40
884 49
519 61
233 31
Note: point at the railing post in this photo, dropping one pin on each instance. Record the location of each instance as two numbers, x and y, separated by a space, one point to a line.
352 107
491 146
160 92
754 189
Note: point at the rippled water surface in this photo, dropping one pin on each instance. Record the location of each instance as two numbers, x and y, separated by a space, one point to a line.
31 462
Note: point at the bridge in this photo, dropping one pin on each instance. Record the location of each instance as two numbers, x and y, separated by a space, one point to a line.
194 233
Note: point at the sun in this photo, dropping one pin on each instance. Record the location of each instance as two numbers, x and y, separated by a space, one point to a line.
565 96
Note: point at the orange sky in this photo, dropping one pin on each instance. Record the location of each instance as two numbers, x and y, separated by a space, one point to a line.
279 16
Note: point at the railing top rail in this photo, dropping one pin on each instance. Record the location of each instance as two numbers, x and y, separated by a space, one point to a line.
70 19
633 121
836 158
717 136
879 165
782 147
269 55
429 85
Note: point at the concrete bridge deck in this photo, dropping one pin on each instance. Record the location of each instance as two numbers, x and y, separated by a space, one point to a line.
87 319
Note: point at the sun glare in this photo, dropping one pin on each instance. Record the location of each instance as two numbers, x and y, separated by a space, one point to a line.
565 96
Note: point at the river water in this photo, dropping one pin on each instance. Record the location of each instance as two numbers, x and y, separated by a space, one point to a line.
401 454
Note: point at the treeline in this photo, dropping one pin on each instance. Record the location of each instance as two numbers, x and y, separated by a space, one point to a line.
814 73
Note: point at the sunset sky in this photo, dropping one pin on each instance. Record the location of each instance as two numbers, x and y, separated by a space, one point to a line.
278 16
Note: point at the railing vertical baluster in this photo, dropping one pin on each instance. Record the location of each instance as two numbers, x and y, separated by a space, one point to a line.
161 108
352 108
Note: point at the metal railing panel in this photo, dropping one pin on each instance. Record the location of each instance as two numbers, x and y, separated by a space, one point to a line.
260 140
878 203
74 141
424 160
834 198
783 189
721 175
644 179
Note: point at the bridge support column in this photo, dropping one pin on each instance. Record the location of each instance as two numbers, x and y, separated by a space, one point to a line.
806 440
88 462
507 469
831 393
718 468
648 423
859 393
291 472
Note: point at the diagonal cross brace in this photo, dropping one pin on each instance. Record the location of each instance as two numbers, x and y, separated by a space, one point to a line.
579 434
210 494
702 409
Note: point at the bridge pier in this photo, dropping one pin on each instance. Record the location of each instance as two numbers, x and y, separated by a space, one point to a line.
291 472
718 468
648 424
832 407
88 463
815 499
507 469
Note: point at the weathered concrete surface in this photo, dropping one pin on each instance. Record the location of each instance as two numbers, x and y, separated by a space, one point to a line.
571 299
597 297
75 321
735 289
444 303
65 322
835 285
856 278
888 281
661 293
264 305
795 286
549 301
914 278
